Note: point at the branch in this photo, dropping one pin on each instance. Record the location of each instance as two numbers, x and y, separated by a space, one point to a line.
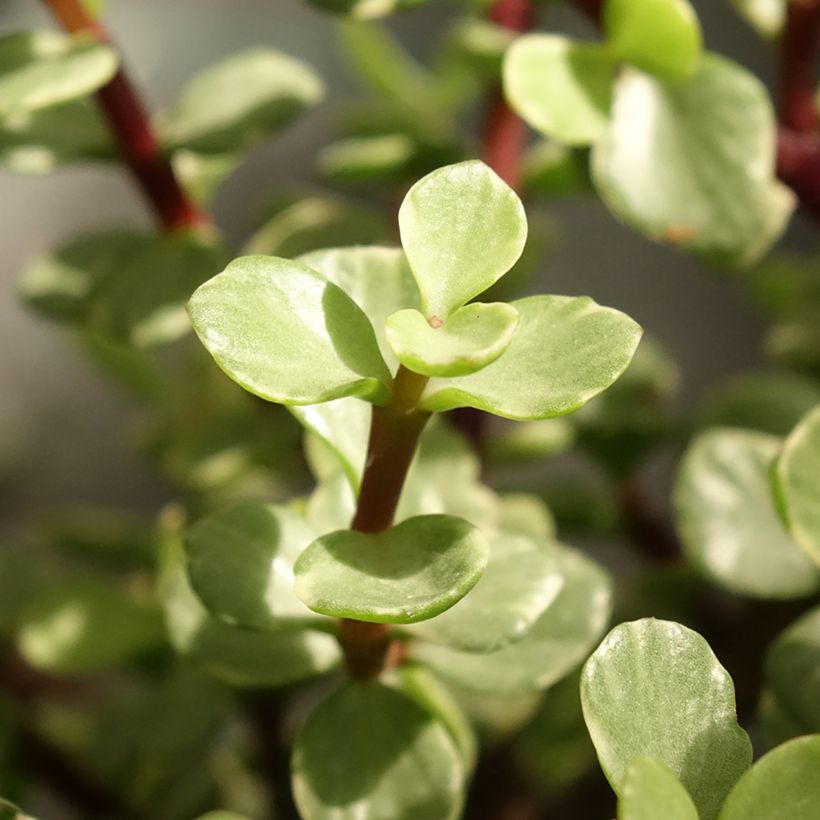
129 124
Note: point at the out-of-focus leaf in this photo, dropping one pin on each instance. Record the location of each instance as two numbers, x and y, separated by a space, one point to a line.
551 169
365 9
765 16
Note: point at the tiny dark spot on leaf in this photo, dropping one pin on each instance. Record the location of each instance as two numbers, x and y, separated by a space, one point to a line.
435 322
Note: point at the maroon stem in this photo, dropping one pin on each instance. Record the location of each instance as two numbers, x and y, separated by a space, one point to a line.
132 130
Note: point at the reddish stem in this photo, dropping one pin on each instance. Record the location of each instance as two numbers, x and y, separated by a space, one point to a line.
132 130
798 58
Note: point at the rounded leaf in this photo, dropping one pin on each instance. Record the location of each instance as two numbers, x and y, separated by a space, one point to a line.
39 69
240 100
559 87
408 573
240 563
521 580
471 338
692 164
727 519
372 751
462 228
650 792
558 641
565 351
785 783
288 335
659 36
797 477
655 688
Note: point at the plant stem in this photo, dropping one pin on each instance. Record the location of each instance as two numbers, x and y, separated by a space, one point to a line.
394 436
129 124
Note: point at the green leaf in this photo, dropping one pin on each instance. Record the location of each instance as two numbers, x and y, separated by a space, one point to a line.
473 337
343 425
240 657
408 573
241 100
528 515
552 169
658 36
8 811
240 563
201 174
692 164
765 16
125 286
793 671
371 751
363 159
797 480
783 783
521 581
655 688
40 141
365 9
561 88
39 69
565 351
84 626
727 520
317 221
286 334
650 792
558 641
377 279
462 228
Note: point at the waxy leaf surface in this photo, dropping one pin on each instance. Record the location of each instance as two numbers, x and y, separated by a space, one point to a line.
692 163
462 228
561 88
651 792
408 573
727 518
377 279
655 688
797 477
239 101
659 36
521 581
565 351
371 751
785 783
473 337
240 563
288 335
556 643
39 69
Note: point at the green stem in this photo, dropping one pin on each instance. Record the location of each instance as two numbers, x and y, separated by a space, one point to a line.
394 437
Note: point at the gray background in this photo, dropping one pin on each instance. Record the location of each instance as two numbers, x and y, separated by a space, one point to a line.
64 431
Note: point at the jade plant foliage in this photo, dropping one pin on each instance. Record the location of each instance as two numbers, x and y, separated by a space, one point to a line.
433 544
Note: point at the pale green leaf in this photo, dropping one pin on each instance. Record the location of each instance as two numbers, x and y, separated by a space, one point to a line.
472 337
521 581
8 811
765 16
371 751
201 174
377 279
793 671
84 626
655 688
692 164
727 519
288 335
559 640
651 792
528 515
797 477
126 286
241 100
565 351
240 657
240 564
39 69
559 87
343 425
365 9
40 141
408 573
785 783
361 159
462 228
659 36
